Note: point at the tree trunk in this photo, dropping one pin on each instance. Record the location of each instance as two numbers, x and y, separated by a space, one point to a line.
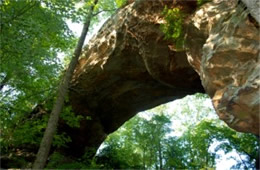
144 158
4 82
160 155
49 133
257 163
245 166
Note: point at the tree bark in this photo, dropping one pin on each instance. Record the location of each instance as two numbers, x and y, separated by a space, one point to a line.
144 158
4 82
49 133
160 155
257 163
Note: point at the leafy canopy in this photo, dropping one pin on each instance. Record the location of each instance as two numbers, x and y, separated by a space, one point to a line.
34 34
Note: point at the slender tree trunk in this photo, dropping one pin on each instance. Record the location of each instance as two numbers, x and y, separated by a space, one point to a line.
150 159
49 133
144 158
160 155
242 160
257 163
4 82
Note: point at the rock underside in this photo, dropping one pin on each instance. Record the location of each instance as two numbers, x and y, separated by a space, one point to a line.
129 67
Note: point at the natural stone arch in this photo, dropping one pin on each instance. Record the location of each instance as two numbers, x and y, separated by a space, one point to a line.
128 67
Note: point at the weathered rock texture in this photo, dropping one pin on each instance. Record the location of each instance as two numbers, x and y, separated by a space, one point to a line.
254 8
129 67
227 59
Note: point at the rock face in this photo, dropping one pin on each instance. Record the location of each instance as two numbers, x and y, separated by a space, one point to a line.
227 60
253 7
128 67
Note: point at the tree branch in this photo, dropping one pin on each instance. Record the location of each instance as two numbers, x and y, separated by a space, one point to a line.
242 160
20 13
24 10
105 10
4 82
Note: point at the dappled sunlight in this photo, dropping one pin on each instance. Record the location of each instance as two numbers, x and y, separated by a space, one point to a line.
129 84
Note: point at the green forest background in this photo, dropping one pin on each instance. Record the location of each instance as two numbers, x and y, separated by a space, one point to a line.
33 35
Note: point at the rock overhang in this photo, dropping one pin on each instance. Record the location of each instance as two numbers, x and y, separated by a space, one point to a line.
129 67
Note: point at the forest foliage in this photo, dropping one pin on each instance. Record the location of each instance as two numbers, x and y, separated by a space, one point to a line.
33 36
159 139
173 27
152 140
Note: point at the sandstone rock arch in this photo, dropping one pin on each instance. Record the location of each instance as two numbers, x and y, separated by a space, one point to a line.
129 67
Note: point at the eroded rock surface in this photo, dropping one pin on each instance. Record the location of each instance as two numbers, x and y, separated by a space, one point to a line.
253 7
129 67
227 59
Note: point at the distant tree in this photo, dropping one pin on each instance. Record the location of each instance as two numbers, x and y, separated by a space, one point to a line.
155 145
93 8
140 143
202 129
33 33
